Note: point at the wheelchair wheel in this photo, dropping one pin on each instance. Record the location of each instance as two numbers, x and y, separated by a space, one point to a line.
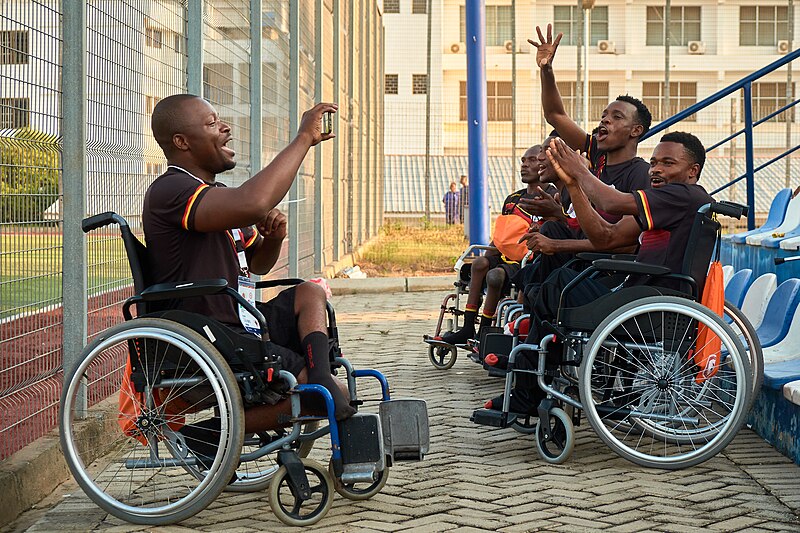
639 384
290 508
525 424
557 448
358 492
442 357
254 476
184 414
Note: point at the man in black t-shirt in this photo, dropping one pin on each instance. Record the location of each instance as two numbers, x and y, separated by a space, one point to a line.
660 219
611 151
495 268
196 228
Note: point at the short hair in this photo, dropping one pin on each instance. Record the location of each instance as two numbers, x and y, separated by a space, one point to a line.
643 114
692 145
168 119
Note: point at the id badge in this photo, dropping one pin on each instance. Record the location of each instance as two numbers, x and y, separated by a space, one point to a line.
247 288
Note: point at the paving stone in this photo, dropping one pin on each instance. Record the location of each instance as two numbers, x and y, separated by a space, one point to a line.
484 479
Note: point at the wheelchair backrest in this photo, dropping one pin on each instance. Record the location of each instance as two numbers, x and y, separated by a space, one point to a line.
700 248
134 250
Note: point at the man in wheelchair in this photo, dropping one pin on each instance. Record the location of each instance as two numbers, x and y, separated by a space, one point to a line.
497 267
197 228
659 219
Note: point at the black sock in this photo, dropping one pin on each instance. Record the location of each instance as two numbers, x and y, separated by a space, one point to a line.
469 320
315 350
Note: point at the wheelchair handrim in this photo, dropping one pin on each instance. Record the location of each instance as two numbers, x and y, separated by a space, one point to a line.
112 503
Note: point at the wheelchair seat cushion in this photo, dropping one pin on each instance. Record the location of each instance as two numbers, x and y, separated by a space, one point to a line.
236 346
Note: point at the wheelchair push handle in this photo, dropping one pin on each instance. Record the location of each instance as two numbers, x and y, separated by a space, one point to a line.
728 209
103 219
782 260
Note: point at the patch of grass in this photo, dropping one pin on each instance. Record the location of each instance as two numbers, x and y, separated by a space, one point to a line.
402 250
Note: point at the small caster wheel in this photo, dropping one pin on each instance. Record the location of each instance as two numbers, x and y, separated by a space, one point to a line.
442 357
293 511
526 424
558 447
361 491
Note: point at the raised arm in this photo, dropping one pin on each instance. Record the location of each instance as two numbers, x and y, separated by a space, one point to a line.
223 208
552 104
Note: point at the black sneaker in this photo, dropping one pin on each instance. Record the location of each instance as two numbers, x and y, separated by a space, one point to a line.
460 336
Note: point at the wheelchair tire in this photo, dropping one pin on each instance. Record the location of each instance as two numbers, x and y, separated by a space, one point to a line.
557 449
442 357
151 483
255 476
359 492
752 345
525 424
639 362
293 511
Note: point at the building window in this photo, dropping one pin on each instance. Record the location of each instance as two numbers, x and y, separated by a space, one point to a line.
684 25
269 75
153 37
768 97
14 47
218 83
391 84
419 7
180 43
598 98
419 84
566 21
498 101
763 25
153 169
681 96
498 25
391 6
15 113
150 104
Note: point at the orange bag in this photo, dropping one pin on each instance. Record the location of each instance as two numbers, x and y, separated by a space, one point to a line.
507 231
708 344
130 407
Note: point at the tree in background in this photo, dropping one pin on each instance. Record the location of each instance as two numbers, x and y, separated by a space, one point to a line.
30 163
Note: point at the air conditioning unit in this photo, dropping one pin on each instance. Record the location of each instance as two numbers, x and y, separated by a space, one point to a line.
509 46
455 48
606 47
696 47
783 47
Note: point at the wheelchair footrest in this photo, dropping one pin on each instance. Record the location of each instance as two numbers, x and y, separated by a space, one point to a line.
363 454
493 418
405 429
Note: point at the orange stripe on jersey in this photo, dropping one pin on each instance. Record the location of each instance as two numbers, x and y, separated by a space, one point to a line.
646 205
190 204
251 240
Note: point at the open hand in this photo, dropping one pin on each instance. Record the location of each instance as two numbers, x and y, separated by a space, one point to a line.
546 49
538 243
274 226
544 205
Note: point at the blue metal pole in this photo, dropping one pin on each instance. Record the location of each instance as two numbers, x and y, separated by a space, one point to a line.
476 122
748 148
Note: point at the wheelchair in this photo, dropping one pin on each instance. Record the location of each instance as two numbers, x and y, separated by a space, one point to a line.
627 362
174 439
443 355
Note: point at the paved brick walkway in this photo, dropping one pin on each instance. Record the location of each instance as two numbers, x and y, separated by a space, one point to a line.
477 479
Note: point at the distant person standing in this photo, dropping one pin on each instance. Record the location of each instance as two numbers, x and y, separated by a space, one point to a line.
464 192
451 204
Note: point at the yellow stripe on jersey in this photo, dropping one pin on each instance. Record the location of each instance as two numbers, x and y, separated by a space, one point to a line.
646 206
190 204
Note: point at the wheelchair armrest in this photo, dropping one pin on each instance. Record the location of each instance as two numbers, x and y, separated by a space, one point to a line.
278 282
592 256
472 248
624 257
184 289
629 267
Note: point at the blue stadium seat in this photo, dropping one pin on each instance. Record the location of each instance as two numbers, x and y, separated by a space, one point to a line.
780 312
737 286
777 211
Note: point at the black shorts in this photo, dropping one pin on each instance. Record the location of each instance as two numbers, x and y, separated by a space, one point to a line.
282 326
495 261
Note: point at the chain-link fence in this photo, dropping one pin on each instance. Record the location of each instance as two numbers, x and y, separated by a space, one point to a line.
261 63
